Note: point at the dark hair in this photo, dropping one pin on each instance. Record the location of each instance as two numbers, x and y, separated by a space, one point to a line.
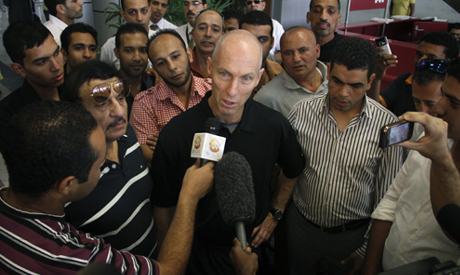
129 28
123 3
21 36
205 10
257 18
83 73
451 26
51 5
443 39
161 32
424 76
355 53
454 69
233 13
338 4
48 141
66 35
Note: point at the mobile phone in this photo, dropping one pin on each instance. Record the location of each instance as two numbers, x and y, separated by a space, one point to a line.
395 133
382 41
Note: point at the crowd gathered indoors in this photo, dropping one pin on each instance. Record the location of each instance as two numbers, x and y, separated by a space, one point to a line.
98 146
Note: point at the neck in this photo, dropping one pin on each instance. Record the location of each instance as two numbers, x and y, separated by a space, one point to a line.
321 40
184 92
112 151
134 81
156 21
46 93
202 60
311 82
47 204
344 117
66 20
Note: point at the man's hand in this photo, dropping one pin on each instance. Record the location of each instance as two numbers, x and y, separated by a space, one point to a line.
384 62
152 142
198 181
244 262
357 261
264 230
434 144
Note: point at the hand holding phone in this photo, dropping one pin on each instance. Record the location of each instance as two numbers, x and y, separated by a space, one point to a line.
382 41
395 133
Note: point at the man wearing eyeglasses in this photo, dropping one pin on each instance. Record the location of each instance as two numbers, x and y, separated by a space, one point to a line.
157 20
191 9
404 227
132 11
278 29
119 209
398 96
35 56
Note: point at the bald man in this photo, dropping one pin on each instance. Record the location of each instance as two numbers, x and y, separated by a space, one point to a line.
263 136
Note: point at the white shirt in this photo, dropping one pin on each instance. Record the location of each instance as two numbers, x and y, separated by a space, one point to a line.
415 233
108 55
184 32
55 26
278 31
163 24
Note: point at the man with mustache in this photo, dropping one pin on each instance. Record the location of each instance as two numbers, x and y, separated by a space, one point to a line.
158 9
119 208
324 16
191 9
207 29
62 14
38 59
177 91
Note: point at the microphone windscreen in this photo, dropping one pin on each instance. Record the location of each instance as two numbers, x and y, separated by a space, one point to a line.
234 189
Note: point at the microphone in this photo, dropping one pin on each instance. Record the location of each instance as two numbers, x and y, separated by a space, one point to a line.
235 193
207 145
212 126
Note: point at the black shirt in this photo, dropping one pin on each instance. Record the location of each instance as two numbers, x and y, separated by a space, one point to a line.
327 49
398 96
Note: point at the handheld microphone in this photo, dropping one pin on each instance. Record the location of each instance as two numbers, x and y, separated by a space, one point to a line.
207 145
212 126
235 193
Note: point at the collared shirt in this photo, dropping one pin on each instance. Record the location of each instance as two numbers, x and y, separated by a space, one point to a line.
47 244
55 26
163 24
282 93
278 31
347 173
185 31
415 234
272 69
154 108
194 66
148 81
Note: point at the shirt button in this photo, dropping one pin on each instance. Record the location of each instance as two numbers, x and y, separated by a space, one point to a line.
114 166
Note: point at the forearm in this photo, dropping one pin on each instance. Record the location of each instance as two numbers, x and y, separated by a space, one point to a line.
377 237
283 191
163 218
445 183
148 154
411 9
374 91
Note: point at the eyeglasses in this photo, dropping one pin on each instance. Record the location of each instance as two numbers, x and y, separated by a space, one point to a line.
195 3
255 1
102 92
437 65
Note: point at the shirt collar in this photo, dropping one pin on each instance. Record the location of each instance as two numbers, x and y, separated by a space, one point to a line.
365 110
164 91
58 22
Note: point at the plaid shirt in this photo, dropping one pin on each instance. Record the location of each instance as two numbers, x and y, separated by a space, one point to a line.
154 108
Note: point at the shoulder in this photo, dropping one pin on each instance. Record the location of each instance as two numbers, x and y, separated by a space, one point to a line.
109 43
379 111
199 82
272 88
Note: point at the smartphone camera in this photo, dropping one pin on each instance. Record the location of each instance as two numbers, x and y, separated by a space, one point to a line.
396 133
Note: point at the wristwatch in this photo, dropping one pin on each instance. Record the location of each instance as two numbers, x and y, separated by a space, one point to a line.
277 214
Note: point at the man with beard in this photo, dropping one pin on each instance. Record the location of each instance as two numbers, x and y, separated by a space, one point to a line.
119 208
191 8
62 14
324 16
178 90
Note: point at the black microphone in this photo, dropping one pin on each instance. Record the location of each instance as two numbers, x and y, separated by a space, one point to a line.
212 126
235 192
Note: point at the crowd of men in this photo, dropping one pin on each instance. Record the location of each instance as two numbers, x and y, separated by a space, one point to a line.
99 151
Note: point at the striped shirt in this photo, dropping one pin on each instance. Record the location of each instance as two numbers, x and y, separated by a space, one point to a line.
35 243
346 173
119 208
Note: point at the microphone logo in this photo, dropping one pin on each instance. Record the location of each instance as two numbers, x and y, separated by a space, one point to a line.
197 142
214 145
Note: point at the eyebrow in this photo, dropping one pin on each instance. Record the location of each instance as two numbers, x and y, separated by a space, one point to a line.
83 44
451 97
162 58
351 84
46 57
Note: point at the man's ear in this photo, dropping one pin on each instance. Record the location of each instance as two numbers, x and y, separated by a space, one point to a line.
67 185
122 13
308 17
64 54
115 50
189 54
369 82
17 68
60 8
209 66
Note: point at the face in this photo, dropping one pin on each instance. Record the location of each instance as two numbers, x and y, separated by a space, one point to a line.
263 34
347 89
235 72
299 52
455 33
428 50
448 107
43 65
170 60
112 115
137 11
82 48
231 24
207 31
191 8
324 17
253 6
158 9
132 53
74 8
426 97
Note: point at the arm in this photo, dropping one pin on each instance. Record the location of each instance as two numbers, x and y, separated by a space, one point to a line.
281 197
163 218
244 262
382 63
148 148
411 9
177 245
377 237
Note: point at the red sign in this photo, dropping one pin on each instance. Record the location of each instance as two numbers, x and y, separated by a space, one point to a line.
357 5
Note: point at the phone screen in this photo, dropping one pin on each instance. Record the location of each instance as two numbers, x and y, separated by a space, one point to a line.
394 134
